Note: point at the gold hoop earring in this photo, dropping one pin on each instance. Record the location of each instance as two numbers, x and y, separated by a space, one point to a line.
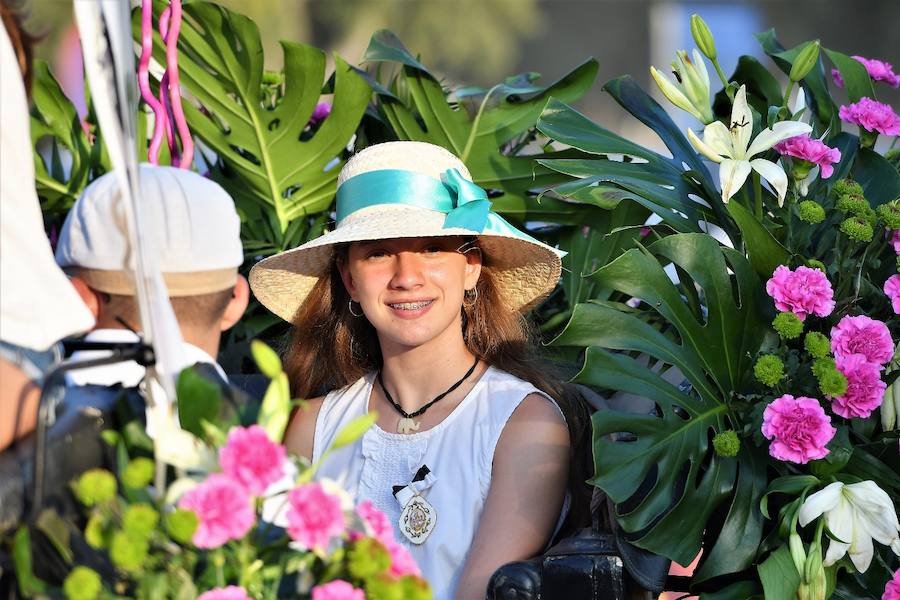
473 296
350 308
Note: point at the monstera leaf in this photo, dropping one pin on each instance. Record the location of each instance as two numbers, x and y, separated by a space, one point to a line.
662 184
486 129
258 131
660 468
65 159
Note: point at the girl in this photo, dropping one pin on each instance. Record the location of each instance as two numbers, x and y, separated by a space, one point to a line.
412 308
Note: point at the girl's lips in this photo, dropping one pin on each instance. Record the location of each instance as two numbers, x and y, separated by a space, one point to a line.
410 310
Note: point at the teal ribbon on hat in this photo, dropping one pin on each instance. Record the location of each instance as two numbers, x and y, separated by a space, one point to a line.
465 204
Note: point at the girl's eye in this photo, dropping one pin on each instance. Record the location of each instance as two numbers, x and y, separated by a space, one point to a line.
434 249
376 253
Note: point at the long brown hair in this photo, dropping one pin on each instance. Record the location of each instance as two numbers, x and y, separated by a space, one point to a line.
12 12
330 348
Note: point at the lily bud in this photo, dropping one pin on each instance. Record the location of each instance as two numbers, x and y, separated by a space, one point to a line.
703 37
798 553
690 92
814 574
889 406
805 61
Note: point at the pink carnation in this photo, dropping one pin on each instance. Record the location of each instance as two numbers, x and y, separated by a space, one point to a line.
880 70
252 459
814 151
376 521
802 292
402 562
895 240
871 115
892 289
865 389
232 592
223 510
337 589
862 335
320 113
892 589
314 516
799 429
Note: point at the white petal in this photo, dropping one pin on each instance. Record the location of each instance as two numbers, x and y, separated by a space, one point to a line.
774 174
861 549
702 148
778 133
804 185
839 519
701 67
822 501
834 553
895 546
717 137
741 121
799 101
732 175
673 92
868 496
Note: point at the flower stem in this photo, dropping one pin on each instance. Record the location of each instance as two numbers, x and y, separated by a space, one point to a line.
722 77
787 93
219 562
757 195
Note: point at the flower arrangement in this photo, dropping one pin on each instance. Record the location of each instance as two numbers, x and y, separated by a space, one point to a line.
776 460
255 526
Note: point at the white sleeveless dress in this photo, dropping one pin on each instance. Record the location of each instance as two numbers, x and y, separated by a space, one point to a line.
459 451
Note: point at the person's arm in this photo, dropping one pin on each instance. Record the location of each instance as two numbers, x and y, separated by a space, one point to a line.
19 399
301 430
528 485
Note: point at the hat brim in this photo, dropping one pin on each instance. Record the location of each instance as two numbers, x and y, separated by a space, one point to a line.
524 271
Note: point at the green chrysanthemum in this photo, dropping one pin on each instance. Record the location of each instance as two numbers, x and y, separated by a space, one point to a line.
788 325
851 204
727 444
811 212
403 588
833 383
823 365
95 532
82 584
181 525
857 229
890 214
128 551
816 344
769 370
95 486
140 519
368 558
898 264
138 473
846 187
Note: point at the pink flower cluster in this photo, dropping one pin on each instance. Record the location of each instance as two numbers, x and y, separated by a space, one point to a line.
810 150
799 429
402 562
895 240
252 459
337 589
892 289
804 291
314 516
223 511
861 346
232 592
871 115
878 70
320 113
892 589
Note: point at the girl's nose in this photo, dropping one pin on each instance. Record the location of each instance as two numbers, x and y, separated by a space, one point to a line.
407 270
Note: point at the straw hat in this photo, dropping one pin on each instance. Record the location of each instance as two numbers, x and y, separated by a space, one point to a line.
389 191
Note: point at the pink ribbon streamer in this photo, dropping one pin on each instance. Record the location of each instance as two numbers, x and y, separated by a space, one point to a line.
167 109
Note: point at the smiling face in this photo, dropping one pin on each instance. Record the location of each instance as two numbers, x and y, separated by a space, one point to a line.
411 289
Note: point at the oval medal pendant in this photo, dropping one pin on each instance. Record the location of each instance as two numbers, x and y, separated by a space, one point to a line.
407 425
417 519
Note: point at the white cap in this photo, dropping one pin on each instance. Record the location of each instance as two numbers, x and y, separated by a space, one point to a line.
189 221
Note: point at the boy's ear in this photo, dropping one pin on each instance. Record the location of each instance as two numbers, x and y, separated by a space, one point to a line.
90 297
240 297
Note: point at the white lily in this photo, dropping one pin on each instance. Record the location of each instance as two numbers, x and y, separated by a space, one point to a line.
856 514
733 150
690 92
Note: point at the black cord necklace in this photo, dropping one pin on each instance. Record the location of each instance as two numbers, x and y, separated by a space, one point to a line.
406 424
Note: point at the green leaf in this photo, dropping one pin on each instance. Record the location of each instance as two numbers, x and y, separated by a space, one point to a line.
276 408
664 451
856 78
198 399
385 46
353 430
267 159
742 590
763 250
57 531
790 484
266 359
879 179
779 576
29 584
